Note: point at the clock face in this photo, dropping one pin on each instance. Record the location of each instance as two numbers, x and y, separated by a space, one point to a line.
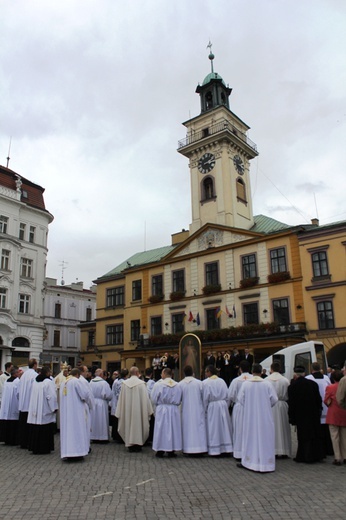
239 165
206 163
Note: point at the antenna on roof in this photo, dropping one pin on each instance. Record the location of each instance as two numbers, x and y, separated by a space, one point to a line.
9 150
63 265
316 205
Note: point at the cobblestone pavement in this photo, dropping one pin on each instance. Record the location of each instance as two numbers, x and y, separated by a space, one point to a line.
114 484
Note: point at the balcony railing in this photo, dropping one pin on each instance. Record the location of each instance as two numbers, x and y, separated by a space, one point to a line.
222 126
242 332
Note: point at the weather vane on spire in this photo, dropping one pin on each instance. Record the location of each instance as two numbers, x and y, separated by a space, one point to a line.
211 55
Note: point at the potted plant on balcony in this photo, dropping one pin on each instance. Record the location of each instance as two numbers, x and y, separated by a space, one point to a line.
211 289
249 282
177 295
279 277
156 298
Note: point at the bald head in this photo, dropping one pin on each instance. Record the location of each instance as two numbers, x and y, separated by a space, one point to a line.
99 372
134 371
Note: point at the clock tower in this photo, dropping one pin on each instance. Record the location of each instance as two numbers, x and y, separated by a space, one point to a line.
219 152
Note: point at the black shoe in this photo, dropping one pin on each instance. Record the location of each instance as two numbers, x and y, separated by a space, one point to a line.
171 454
239 465
159 454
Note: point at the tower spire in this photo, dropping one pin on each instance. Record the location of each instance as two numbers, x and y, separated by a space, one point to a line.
211 56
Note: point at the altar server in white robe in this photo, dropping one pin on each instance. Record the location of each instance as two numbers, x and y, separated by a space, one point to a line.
193 423
24 391
89 404
215 401
99 414
257 397
133 411
116 388
237 411
42 413
9 411
74 438
166 398
280 412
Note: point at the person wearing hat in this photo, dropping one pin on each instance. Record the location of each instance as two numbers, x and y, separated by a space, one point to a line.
304 411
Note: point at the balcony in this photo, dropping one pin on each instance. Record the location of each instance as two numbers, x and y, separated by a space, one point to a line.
253 331
223 126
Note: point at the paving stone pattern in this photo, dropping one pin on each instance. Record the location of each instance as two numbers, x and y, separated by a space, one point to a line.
113 484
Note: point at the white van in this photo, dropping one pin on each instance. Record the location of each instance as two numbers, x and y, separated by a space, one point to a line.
302 354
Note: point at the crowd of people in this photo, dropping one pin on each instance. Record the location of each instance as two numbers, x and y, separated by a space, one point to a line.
243 413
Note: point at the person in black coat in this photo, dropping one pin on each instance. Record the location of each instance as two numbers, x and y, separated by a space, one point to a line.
304 411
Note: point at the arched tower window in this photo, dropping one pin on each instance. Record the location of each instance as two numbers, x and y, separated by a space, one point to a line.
209 100
241 190
208 188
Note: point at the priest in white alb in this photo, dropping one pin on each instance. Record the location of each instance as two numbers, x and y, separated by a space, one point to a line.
102 394
166 398
257 398
215 401
42 413
194 433
237 410
9 411
280 412
133 411
24 392
74 438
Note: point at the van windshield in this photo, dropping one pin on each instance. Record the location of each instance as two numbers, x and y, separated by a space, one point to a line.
321 356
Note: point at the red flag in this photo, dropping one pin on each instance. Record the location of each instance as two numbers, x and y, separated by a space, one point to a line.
190 316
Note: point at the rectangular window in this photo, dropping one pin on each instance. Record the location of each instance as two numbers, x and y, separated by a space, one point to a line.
136 290
26 267
88 316
319 264
5 260
325 315
212 273
22 227
3 296
116 296
278 262
24 304
115 334
281 311
91 338
156 325
135 330
178 322
57 310
178 279
250 313
3 224
213 322
157 285
249 268
56 338
32 232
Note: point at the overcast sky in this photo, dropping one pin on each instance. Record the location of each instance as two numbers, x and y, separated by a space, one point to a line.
93 94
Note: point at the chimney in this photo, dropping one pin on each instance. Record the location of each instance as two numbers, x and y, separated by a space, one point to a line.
315 222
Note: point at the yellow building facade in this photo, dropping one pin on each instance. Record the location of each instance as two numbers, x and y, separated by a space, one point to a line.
234 279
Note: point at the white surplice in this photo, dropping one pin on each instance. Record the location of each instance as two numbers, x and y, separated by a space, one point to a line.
219 427
166 398
280 414
322 385
43 402
133 411
9 410
258 449
25 387
102 394
237 413
74 419
115 394
194 433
